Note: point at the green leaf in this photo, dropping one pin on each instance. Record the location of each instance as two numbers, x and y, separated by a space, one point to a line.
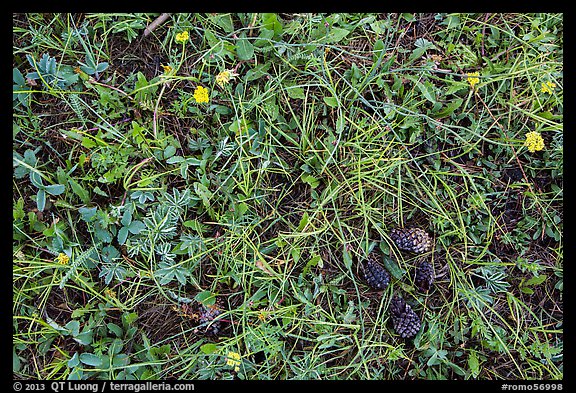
175 160
393 267
74 361
473 364
16 364
55 189
315 260
85 338
41 199
244 48
225 22
136 227
336 34
18 78
537 280
117 330
169 151
427 90
79 190
204 193
90 359
87 213
257 72
295 92
270 22
73 327
36 179
122 235
126 217
209 348
347 258
311 180
331 101
101 66
303 222
207 298
378 50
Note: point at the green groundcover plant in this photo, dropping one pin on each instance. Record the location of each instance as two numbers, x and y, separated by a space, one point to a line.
194 197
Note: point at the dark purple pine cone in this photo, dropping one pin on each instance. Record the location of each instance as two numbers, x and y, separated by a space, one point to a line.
375 274
207 314
405 321
411 239
424 276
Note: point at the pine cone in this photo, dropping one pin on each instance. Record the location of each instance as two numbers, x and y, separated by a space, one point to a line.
424 276
376 276
207 314
405 321
411 239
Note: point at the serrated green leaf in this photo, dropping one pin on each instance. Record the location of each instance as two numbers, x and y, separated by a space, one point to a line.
126 217
122 235
136 227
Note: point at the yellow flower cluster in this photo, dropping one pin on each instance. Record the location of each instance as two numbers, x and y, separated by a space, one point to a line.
534 141
547 87
182 37
473 78
62 259
201 94
233 359
224 77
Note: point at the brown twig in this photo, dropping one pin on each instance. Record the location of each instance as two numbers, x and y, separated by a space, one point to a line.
157 22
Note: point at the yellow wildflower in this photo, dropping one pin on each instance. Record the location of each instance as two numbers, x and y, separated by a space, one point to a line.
233 359
534 141
201 94
62 259
225 77
182 37
473 78
166 68
547 87
110 293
